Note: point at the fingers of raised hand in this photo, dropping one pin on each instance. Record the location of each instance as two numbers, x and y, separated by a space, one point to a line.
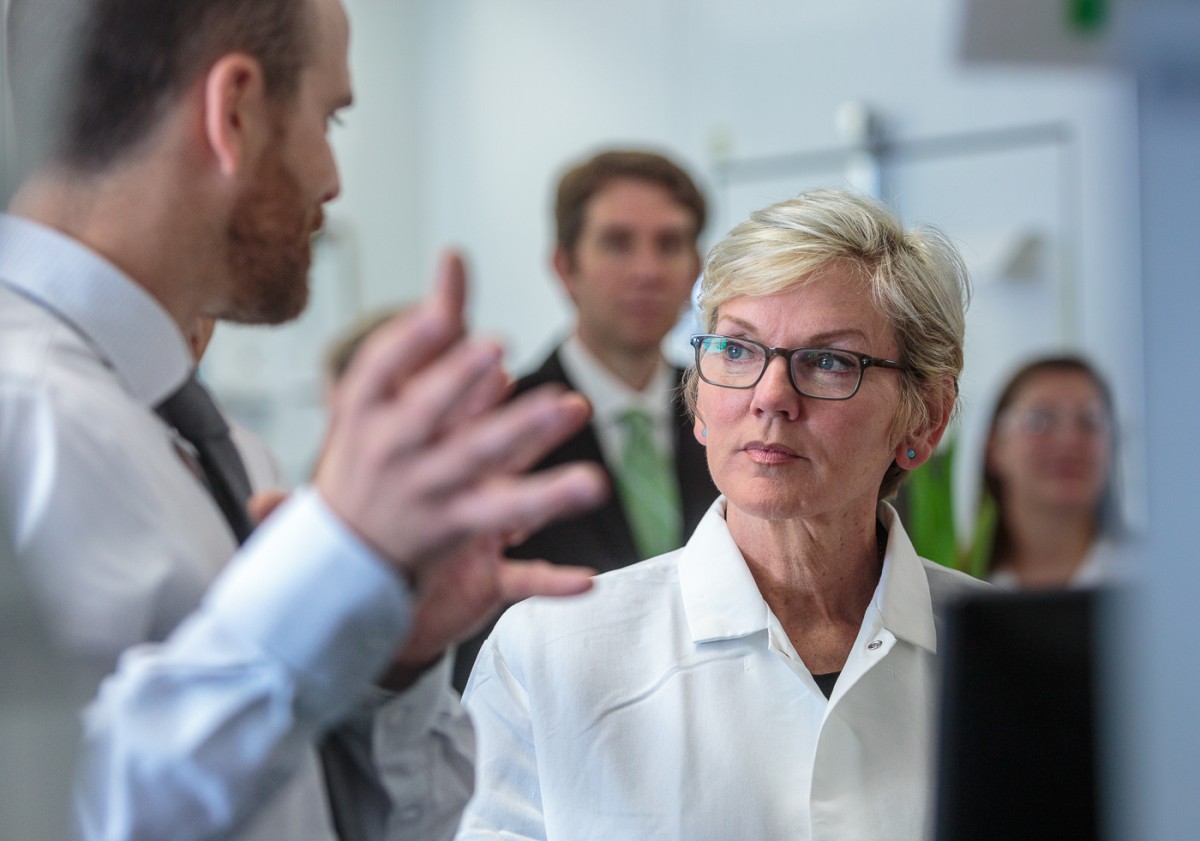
459 595
455 598
368 437
450 288
392 354
423 410
507 440
524 503
412 339
479 397
519 580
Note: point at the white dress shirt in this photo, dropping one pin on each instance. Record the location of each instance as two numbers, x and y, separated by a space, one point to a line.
611 398
206 726
668 703
262 468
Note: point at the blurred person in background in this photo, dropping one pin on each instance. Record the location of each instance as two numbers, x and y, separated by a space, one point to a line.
627 224
1049 516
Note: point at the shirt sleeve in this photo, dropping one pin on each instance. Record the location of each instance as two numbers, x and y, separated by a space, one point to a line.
508 803
404 763
186 737
425 754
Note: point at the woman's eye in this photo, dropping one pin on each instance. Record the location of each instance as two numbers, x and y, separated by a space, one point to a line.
737 352
832 363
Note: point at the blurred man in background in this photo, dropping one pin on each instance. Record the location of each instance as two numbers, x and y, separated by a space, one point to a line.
627 226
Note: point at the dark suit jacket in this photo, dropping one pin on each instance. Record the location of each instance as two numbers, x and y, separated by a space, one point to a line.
600 539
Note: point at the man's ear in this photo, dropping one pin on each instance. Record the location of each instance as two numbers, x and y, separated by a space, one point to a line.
564 267
237 123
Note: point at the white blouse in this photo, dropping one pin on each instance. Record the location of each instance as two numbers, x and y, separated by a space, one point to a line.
668 703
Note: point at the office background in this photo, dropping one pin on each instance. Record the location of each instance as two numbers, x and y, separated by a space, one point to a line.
468 111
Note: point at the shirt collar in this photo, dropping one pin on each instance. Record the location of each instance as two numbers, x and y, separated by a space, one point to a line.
720 596
609 395
722 600
902 596
128 328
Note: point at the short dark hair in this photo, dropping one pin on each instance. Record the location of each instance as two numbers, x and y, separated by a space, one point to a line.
135 58
585 180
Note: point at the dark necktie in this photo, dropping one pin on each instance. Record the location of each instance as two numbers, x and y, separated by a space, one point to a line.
195 416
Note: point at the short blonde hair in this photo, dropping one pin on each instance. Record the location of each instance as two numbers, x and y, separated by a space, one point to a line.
916 279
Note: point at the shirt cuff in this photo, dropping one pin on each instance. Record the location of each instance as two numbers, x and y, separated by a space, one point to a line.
406 716
306 590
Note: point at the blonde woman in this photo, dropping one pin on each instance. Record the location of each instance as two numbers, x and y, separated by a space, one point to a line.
774 677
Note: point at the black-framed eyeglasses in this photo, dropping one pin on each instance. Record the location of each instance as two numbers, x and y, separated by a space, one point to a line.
820 372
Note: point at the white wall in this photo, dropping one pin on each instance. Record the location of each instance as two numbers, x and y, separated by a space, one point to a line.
513 90
469 110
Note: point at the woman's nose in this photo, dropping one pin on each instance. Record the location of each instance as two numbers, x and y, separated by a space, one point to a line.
774 393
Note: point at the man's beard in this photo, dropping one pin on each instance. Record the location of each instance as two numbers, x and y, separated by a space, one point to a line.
270 248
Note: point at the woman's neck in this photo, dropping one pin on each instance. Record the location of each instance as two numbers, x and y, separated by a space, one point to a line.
817 578
1046 545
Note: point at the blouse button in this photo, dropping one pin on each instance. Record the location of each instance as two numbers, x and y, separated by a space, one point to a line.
409 814
874 645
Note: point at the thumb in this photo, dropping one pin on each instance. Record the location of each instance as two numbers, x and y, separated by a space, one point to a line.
264 503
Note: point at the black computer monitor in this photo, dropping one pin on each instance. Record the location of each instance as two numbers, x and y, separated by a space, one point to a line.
1016 756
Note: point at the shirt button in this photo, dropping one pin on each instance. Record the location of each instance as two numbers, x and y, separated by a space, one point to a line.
875 644
409 814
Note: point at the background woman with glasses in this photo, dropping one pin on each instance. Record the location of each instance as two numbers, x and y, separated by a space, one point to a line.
774 677
1049 515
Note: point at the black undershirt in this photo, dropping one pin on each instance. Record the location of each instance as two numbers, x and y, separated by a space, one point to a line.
825 683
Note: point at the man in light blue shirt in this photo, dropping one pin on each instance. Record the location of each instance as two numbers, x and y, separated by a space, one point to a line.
187 180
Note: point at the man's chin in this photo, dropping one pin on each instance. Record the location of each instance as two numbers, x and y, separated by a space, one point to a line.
287 309
279 306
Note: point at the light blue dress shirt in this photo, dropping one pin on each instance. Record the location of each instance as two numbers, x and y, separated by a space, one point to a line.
220 676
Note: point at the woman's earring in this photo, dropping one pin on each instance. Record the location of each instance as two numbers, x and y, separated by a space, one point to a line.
704 432
911 453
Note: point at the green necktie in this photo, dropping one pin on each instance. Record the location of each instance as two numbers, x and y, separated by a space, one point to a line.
649 493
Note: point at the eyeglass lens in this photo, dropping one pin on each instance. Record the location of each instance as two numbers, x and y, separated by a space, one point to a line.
817 372
1042 421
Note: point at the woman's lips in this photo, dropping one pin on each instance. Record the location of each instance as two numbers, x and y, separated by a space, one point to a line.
764 453
1068 471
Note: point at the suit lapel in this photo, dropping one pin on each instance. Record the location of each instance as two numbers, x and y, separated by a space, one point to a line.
607 529
696 489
